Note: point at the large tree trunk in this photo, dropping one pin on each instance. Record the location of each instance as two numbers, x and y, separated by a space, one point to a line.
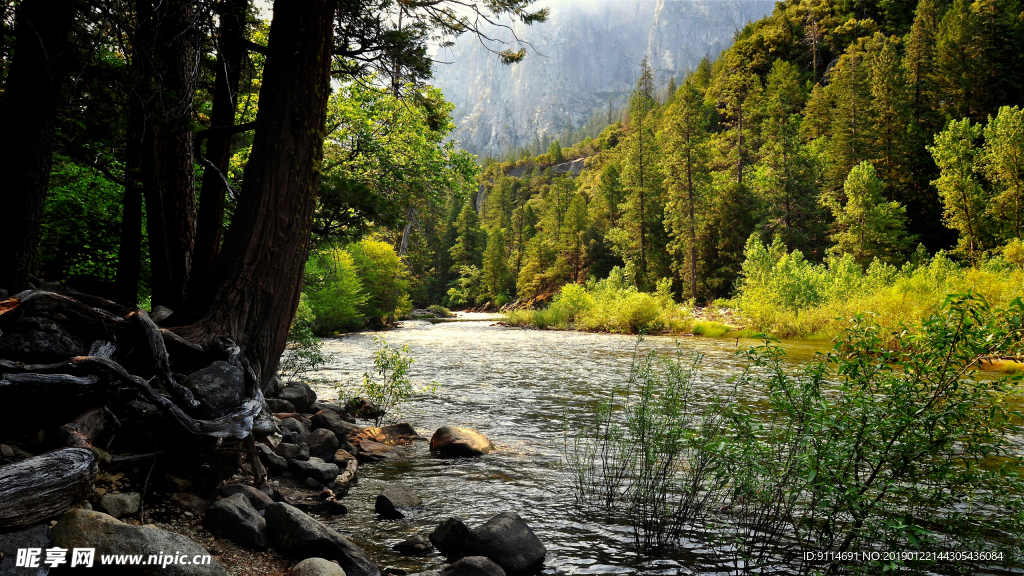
32 94
168 171
129 253
230 58
259 269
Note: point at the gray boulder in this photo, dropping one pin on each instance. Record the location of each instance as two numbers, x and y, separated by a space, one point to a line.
316 567
121 505
315 468
473 566
290 451
455 441
450 537
257 498
235 518
507 540
296 427
415 546
299 394
294 533
34 537
397 501
333 421
219 387
322 443
38 341
274 463
108 535
278 406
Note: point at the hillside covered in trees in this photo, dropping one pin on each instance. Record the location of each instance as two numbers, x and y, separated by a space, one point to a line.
857 138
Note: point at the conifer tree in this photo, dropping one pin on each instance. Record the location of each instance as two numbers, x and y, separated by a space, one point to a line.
890 101
851 129
495 266
469 241
868 227
687 173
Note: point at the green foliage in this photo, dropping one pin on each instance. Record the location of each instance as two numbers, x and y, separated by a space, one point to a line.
555 153
389 385
333 292
384 280
890 441
305 351
867 227
963 196
784 294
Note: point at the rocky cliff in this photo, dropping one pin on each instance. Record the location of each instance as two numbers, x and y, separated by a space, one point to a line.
587 52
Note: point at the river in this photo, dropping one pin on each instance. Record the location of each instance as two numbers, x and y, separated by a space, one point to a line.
515 386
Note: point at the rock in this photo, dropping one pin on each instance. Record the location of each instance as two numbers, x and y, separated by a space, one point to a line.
160 313
322 443
370 451
507 540
362 408
272 387
190 502
263 426
333 506
257 498
6 452
454 441
38 341
415 546
391 435
34 537
292 451
295 426
315 468
450 537
299 394
333 421
397 501
121 505
278 406
339 410
235 518
176 484
296 534
274 463
219 387
473 566
316 567
87 529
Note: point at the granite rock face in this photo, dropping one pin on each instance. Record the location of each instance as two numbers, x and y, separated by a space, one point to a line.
589 52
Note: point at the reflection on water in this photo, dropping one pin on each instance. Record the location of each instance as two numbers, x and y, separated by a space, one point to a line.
514 386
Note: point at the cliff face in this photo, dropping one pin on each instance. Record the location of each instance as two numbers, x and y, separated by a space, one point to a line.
587 52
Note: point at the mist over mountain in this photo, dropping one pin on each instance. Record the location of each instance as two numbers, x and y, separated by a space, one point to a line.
587 53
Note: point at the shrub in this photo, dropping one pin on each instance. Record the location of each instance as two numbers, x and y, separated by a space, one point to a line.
384 279
305 351
333 292
889 442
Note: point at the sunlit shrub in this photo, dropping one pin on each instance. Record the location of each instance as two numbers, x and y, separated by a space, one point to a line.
333 293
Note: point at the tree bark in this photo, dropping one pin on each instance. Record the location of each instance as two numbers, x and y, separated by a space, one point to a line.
259 269
168 172
38 489
28 115
230 59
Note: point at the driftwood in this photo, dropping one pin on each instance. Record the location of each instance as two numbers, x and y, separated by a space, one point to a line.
84 430
44 487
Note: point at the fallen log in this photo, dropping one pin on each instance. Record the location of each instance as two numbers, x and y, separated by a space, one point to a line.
44 487
84 430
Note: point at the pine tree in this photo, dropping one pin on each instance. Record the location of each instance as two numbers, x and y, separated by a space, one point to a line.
891 112
736 89
920 65
687 174
1004 164
573 239
868 227
555 152
962 59
963 197
851 127
495 266
469 241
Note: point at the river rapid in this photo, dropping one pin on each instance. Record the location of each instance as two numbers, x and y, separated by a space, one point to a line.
516 386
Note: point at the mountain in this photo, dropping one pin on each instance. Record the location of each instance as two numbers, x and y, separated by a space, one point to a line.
585 54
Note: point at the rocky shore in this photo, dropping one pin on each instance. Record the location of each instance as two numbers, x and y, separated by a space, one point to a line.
276 526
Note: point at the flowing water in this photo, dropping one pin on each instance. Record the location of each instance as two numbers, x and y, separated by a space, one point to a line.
516 386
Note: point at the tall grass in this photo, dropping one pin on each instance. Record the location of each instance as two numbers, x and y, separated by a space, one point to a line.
609 305
787 296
